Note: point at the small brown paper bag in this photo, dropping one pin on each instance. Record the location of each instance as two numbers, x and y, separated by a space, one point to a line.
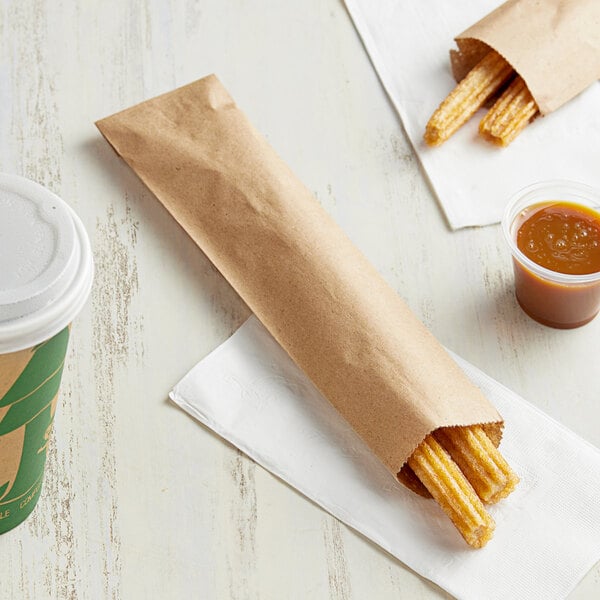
295 268
554 45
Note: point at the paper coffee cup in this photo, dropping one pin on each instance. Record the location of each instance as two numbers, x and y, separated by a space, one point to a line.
46 271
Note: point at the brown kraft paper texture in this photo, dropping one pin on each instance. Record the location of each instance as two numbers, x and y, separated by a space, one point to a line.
295 268
554 45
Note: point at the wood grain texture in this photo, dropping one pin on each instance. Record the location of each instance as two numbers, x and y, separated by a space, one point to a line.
139 500
337 566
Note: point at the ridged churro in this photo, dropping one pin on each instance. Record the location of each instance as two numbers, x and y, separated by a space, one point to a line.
480 461
460 467
471 93
451 490
510 114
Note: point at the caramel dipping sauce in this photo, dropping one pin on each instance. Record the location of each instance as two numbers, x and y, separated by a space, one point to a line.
556 252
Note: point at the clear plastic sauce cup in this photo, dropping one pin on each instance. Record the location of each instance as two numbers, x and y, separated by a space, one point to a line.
555 297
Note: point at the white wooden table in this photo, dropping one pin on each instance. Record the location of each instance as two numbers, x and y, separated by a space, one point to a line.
140 501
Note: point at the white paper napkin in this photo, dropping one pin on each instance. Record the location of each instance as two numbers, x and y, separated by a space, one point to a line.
408 43
547 533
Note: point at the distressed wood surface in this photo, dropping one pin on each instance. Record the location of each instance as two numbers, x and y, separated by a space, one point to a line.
139 500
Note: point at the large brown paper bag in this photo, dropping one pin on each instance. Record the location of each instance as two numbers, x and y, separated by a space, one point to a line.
295 268
554 45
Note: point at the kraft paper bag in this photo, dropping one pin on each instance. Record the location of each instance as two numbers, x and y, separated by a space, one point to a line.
554 45
319 297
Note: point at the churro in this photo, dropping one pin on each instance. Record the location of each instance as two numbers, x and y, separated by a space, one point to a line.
510 114
471 93
451 490
460 467
480 461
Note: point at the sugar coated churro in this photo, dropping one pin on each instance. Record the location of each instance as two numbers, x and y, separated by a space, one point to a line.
513 109
479 460
510 114
449 487
484 80
461 467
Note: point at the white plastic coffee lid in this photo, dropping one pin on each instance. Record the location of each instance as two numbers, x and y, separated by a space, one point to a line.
46 265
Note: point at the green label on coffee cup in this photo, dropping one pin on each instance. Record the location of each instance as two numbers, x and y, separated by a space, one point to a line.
29 382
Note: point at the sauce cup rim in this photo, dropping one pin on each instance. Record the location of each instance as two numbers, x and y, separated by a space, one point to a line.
586 195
